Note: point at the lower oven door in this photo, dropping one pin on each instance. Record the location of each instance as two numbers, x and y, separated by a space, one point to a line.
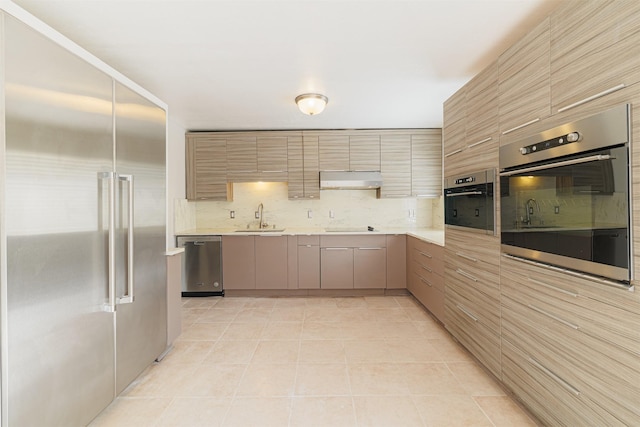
470 207
573 213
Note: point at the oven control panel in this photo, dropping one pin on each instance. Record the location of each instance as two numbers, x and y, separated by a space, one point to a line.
551 143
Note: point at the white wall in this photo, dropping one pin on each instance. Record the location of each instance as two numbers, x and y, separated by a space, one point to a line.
175 174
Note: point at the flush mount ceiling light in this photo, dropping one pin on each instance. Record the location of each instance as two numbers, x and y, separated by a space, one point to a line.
311 103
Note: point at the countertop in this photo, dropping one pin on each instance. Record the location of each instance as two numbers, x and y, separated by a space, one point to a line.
431 235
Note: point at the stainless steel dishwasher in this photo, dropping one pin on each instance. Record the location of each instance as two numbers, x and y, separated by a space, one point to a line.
202 265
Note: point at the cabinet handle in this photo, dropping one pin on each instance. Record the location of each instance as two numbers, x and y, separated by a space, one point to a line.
555 288
461 255
425 281
280 171
270 235
592 97
513 129
559 380
424 267
425 254
432 195
553 316
370 249
336 249
480 142
465 274
454 152
465 311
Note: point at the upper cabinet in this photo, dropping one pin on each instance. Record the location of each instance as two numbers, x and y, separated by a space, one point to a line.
595 48
426 163
409 159
364 152
206 167
523 84
454 129
395 164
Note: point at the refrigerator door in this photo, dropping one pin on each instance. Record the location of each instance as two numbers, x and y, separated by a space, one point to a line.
141 314
58 340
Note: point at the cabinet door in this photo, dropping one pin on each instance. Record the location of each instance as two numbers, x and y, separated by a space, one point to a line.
238 262
524 96
453 130
295 167
242 162
206 168
396 261
311 167
333 150
309 267
271 262
336 268
594 51
272 157
370 268
395 165
364 152
426 164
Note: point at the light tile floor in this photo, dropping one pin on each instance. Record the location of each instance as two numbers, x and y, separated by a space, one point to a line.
357 361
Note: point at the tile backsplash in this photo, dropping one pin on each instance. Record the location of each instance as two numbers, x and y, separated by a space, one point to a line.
335 208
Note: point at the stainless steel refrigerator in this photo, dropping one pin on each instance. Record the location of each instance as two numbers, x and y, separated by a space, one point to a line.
83 211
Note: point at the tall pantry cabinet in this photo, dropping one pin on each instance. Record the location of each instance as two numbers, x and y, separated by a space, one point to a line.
569 342
82 228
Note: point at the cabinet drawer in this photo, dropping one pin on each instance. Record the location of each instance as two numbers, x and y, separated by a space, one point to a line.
428 278
304 239
477 248
483 342
429 295
550 398
485 308
354 241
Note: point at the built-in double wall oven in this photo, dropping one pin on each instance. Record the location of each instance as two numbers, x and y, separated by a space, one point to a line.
565 196
469 202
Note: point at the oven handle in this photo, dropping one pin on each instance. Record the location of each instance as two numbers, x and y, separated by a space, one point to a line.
465 193
587 159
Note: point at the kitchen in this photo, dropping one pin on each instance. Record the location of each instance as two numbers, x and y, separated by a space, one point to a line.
552 97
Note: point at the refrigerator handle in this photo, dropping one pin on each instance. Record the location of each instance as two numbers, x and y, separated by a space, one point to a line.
110 305
127 298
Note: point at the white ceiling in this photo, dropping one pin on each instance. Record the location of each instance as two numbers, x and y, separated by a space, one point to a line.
239 64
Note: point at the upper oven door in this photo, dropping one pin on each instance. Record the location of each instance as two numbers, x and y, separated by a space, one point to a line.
468 202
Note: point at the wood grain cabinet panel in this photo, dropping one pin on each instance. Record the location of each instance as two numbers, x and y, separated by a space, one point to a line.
238 262
524 94
272 156
472 294
395 165
295 168
333 151
594 51
206 168
242 157
303 172
271 258
582 331
426 163
364 152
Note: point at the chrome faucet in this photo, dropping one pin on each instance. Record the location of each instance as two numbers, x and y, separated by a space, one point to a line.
528 207
262 224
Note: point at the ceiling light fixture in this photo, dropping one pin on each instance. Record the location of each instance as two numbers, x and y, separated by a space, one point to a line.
311 103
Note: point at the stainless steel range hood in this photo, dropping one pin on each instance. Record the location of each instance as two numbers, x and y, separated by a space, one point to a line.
350 180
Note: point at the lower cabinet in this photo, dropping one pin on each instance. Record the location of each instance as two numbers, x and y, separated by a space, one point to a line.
396 261
308 248
353 262
238 262
425 270
572 341
472 294
271 255
336 268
